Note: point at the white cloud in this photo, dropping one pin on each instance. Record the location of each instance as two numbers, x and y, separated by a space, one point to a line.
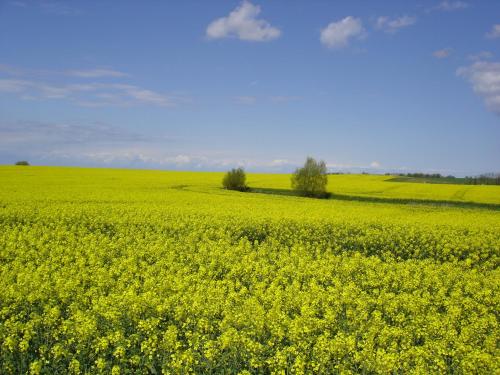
442 53
57 7
101 144
483 55
89 95
485 80
145 96
279 162
13 85
35 84
392 25
283 98
128 155
27 87
338 34
353 167
449 6
334 165
246 100
11 70
141 156
277 99
20 4
80 73
242 23
495 32
87 144
46 135
96 73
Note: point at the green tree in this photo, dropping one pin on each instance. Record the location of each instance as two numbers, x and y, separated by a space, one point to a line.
235 179
311 179
22 162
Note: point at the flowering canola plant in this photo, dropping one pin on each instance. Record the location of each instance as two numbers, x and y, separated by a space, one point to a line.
130 272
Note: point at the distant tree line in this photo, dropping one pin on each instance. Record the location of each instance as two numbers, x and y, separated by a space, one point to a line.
424 175
484 179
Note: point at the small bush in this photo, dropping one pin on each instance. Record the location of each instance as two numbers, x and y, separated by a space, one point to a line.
22 162
235 179
311 179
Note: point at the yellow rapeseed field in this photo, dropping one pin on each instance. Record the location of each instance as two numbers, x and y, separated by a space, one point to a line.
138 272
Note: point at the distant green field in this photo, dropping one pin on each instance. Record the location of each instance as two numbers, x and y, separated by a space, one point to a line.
429 180
377 186
136 271
381 186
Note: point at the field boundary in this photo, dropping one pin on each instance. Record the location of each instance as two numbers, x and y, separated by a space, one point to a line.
371 199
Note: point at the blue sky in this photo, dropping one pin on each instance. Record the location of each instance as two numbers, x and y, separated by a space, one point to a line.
374 86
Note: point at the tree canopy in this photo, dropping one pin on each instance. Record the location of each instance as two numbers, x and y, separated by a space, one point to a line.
311 179
235 179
